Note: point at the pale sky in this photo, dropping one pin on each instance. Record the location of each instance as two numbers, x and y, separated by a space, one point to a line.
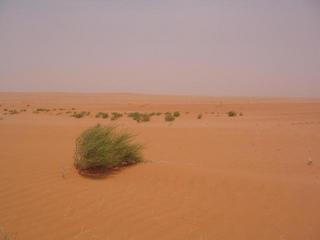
217 47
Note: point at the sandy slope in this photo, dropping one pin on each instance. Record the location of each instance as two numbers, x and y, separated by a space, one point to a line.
215 178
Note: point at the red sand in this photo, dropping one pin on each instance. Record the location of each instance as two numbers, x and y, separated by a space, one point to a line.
250 177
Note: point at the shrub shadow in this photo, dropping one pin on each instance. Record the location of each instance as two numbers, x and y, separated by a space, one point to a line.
100 174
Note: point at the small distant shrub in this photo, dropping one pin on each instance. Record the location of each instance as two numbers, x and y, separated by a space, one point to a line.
241 114
115 116
5 109
169 117
79 114
176 114
73 109
103 147
232 114
140 117
199 116
145 117
42 110
135 116
158 113
102 115
13 111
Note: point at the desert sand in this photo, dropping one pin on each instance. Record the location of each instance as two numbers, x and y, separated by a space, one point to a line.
255 176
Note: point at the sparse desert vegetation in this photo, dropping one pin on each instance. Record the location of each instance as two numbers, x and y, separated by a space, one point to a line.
140 117
13 111
42 110
199 116
115 116
104 147
176 114
102 115
232 114
168 117
80 114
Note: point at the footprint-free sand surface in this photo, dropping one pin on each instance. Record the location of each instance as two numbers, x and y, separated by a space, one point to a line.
255 176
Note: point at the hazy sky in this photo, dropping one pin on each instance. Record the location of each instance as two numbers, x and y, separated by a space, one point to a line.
217 47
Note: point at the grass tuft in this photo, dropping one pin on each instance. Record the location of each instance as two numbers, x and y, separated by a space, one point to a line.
42 110
176 114
140 117
103 147
232 114
79 114
168 117
102 115
115 116
13 111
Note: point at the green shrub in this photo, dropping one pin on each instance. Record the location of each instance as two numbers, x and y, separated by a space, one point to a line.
13 111
140 117
115 116
169 117
42 110
199 116
145 117
79 114
102 115
232 114
103 147
176 114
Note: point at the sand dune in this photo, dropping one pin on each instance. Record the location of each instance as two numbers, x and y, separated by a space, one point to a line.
218 177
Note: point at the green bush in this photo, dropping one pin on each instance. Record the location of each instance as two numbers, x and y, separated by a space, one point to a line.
135 116
115 116
140 117
176 114
79 114
103 147
13 111
102 115
42 110
168 117
232 114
